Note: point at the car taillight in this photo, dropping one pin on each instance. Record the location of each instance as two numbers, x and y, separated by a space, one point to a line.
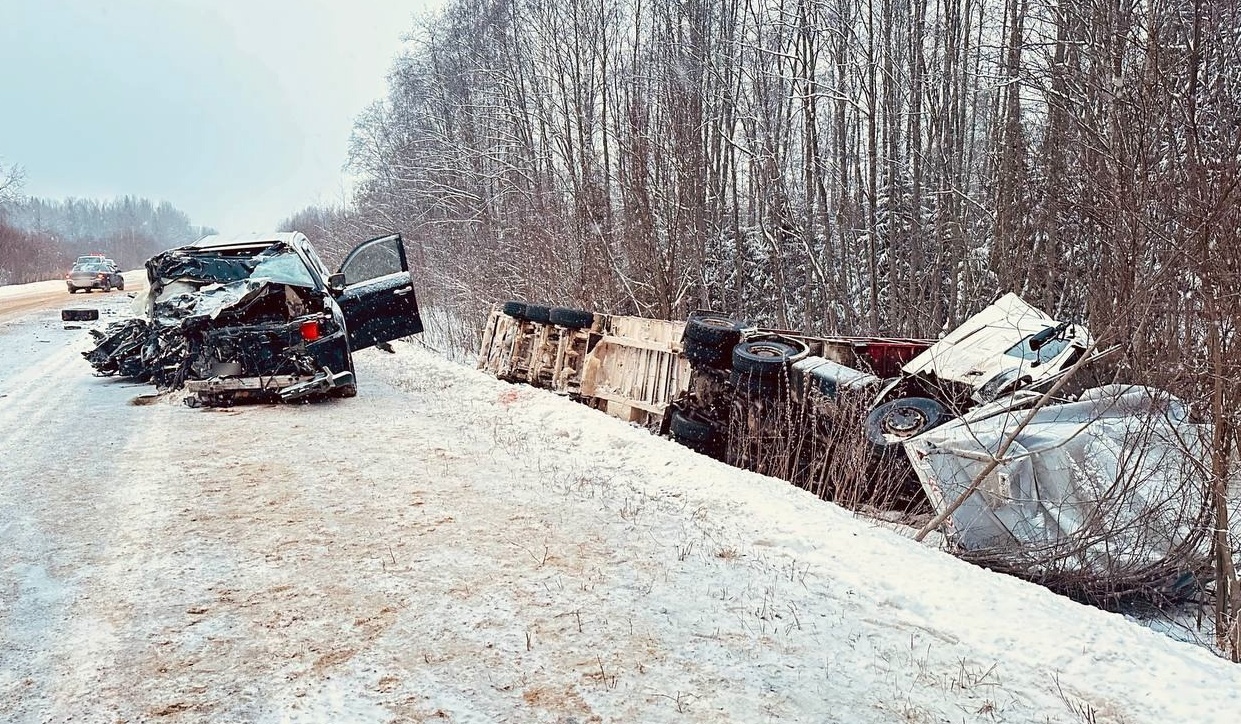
310 330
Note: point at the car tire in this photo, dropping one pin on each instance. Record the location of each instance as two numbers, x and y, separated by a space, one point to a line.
538 313
88 290
120 285
571 318
892 423
345 391
709 339
515 309
73 290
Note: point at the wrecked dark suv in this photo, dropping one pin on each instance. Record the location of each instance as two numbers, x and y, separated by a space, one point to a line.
260 318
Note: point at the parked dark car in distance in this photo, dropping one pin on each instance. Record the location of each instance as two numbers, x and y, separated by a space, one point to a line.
94 275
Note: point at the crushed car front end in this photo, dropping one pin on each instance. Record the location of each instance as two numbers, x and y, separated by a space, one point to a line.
232 322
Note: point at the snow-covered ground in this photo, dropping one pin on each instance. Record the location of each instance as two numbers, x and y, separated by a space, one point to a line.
449 547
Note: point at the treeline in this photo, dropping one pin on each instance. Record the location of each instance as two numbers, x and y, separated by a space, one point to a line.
837 166
40 238
848 166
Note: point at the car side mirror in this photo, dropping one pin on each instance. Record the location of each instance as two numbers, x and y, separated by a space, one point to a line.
336 283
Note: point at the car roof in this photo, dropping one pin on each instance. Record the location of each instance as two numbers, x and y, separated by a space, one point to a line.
216 241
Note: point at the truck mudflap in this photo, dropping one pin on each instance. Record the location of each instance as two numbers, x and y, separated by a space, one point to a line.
223 391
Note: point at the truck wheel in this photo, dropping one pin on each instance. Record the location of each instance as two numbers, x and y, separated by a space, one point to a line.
691 431
538 313
762 357
758 364
709 338
571 318
515 309
892 423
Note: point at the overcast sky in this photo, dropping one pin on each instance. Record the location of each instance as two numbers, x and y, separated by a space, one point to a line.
236 111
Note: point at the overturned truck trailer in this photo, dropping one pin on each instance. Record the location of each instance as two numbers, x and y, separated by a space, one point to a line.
1102 493
776 402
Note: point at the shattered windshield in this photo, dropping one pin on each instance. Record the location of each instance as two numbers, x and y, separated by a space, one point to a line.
278 263
283 268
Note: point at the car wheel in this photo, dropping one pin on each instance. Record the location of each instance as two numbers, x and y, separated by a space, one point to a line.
892 423
72 290
120 285
345 391
538 313
709 338
107 287
88 290
571 318
515 309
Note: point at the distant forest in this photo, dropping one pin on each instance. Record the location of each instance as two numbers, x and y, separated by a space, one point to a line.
40 238
837 166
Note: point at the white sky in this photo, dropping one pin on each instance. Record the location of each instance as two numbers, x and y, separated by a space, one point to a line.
236 111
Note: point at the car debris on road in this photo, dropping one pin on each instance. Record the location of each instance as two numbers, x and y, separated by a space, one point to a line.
260 318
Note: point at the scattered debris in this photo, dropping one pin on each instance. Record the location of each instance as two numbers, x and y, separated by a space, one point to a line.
79 314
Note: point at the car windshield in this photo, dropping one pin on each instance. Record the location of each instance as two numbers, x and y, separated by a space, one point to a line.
284 268
1045 353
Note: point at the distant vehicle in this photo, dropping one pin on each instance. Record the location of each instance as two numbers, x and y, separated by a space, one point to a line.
261 318
94 275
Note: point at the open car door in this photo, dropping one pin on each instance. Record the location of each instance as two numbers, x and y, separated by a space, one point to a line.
378 300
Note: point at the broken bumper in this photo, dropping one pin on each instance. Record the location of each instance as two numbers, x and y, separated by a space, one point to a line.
218 391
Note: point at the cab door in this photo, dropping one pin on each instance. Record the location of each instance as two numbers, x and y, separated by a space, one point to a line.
378 298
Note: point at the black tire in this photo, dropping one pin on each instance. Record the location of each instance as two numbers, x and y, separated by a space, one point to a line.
762 357
120 285
538 313
88 290
515 309
709 338
73 290
693 432
571 318
894 422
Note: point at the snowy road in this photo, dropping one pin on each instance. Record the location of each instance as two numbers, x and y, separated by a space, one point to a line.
446 547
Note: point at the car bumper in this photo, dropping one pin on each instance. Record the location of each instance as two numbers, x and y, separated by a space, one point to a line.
218 391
